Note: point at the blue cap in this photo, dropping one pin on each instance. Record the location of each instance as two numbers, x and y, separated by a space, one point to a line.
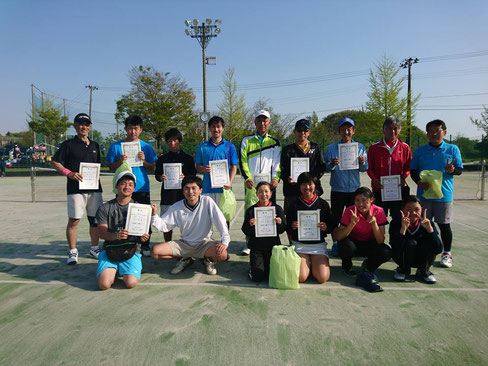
346 120
369 282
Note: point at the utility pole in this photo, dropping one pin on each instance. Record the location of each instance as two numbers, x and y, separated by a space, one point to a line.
33 111
64 114
407 63
92 88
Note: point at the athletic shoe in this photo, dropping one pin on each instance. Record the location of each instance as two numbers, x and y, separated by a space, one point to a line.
209 266
94 251
146 251
350 272
446 260
334 251
181 265
72 256
428 277
399 275
246 251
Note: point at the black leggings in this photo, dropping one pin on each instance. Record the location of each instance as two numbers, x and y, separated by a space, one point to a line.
413 254
259 265
446 236
377 254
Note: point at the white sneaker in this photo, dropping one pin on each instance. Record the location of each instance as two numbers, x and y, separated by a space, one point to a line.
246 251
181 265
399 275
428 277
72 256
446 260
94 251
209 266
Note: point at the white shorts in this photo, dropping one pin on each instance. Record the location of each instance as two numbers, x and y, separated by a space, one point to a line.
311 249
79 202
215 196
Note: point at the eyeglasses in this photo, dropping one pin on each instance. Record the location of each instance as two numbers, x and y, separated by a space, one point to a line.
300 130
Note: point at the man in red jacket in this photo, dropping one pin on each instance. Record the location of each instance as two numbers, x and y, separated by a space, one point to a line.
389 156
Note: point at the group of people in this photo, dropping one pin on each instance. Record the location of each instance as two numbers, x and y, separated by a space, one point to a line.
356 218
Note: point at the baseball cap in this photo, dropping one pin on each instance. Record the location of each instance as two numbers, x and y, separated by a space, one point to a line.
262 112
82 118
125 173
346 120
302 123
369 282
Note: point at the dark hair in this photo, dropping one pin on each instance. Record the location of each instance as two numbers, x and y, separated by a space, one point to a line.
133 120
216 120
410 199
192 179
263 183
306 177
173 133
436 122
392 120
363 191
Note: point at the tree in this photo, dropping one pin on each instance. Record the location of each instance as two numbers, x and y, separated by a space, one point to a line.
481 123
160 100
50 122
385 88
233 108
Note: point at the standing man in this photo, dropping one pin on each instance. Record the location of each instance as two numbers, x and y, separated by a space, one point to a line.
67 162
446 158
343 183
260 154
389 156
133 128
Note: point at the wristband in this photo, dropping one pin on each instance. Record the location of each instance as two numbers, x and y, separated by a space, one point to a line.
65 172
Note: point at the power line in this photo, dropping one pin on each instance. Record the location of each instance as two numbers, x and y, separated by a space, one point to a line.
454 95
454 56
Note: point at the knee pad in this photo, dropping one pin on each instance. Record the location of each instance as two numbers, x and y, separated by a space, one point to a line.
91 220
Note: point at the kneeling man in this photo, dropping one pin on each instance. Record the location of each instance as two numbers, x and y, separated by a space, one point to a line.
121 251
194 217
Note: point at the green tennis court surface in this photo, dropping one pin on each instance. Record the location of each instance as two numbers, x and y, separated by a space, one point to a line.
53 314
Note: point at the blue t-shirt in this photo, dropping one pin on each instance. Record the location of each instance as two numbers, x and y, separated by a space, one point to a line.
208 151
142 180
344 180
428 157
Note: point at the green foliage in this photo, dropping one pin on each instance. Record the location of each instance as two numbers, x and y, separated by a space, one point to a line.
482 123
469 148
160 100
49 122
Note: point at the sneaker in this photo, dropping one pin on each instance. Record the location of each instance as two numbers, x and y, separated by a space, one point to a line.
246 251
446 260
350 272
146 251
181 265
94 251
209 266
72 256
428 277
399 275
334 251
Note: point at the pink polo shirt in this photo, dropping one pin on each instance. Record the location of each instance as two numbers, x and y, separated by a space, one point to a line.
363 231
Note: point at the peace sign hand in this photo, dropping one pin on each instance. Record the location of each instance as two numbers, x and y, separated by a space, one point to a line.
354 216
425 222
450 165
405 222
372 217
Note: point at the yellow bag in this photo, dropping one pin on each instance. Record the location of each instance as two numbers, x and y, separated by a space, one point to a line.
434 178
228 204
251 197
284 268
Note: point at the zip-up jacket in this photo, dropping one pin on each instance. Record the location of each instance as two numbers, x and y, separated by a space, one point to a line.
259 157
384 161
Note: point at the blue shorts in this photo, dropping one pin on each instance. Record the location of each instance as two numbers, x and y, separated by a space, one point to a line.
132 266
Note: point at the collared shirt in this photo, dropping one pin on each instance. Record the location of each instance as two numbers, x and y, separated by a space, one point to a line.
344 180
363 231
428 157
71 153
208 151
260 155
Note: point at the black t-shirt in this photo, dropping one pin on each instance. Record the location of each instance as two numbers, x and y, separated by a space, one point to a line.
71 153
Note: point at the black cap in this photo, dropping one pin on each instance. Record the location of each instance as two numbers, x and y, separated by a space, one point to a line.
82 118
302 123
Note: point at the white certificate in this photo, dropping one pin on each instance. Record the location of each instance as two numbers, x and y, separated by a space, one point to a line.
91 175
173 173
219 173
308 225
131 149
298 166
392 188
348 156
138 219
265 221
261 177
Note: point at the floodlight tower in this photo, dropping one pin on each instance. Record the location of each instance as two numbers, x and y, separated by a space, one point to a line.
407 63
203 32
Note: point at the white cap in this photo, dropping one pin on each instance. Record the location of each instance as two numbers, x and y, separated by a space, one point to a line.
262 112
123 174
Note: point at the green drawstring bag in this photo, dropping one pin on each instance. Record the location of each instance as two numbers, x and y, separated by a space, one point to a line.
228 204
122 168
284 268
434 178
251 197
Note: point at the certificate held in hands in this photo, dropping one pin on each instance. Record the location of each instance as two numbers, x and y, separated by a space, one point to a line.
392 188
131 149
298 166
138 219
308 225
348 156
219 173
173 173
91 176
265 221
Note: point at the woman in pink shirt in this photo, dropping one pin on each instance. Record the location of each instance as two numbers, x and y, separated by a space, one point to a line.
361 233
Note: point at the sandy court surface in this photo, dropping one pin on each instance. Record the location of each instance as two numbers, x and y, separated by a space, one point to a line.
51 313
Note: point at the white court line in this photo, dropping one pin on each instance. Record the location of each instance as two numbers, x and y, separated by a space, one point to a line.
251 285
471 227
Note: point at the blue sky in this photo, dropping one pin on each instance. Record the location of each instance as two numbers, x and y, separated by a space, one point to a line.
61 46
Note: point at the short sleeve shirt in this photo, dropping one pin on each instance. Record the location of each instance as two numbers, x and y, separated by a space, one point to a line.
363 231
